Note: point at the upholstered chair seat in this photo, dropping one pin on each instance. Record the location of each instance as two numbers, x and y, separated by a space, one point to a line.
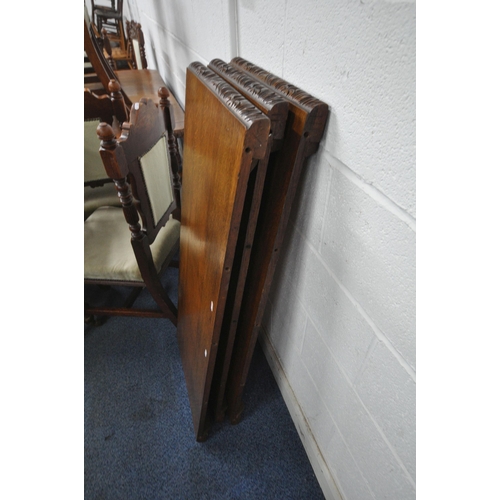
108 252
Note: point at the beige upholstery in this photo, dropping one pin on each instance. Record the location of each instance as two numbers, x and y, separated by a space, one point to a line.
155 166
108 250
95 197
137 53
93 167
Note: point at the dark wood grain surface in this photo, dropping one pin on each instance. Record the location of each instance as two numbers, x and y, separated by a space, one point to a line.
224 138
304 129
275 107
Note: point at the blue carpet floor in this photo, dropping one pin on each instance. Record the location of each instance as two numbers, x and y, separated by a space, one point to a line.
139 438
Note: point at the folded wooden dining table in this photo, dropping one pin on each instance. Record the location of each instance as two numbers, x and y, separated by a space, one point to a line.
275 107
225 138
304 130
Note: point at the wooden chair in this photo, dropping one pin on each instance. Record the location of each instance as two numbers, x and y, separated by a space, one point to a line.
135 40
131 53
111 6
131 246
109 17
226 136
116 54
99 190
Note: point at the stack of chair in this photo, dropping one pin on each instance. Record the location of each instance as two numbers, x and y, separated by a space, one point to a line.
107 24
247 137
110 18
130 53
135 84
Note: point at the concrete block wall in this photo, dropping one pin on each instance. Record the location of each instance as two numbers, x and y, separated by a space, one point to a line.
339 328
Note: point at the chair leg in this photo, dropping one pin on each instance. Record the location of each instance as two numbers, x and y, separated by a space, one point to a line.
93 320
163 300
152 279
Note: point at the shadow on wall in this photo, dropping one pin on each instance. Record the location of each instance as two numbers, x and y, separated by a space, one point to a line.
331 133
284 319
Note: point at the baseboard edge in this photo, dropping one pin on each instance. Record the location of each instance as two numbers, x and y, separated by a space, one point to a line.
325 479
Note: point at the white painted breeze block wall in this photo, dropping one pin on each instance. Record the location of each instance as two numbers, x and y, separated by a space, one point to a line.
340 323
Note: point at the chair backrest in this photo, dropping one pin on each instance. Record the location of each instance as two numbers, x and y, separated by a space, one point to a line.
139 164
100 108
110 16
109 4
107 49
105 107
96 57
100 4
136 41
106 4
